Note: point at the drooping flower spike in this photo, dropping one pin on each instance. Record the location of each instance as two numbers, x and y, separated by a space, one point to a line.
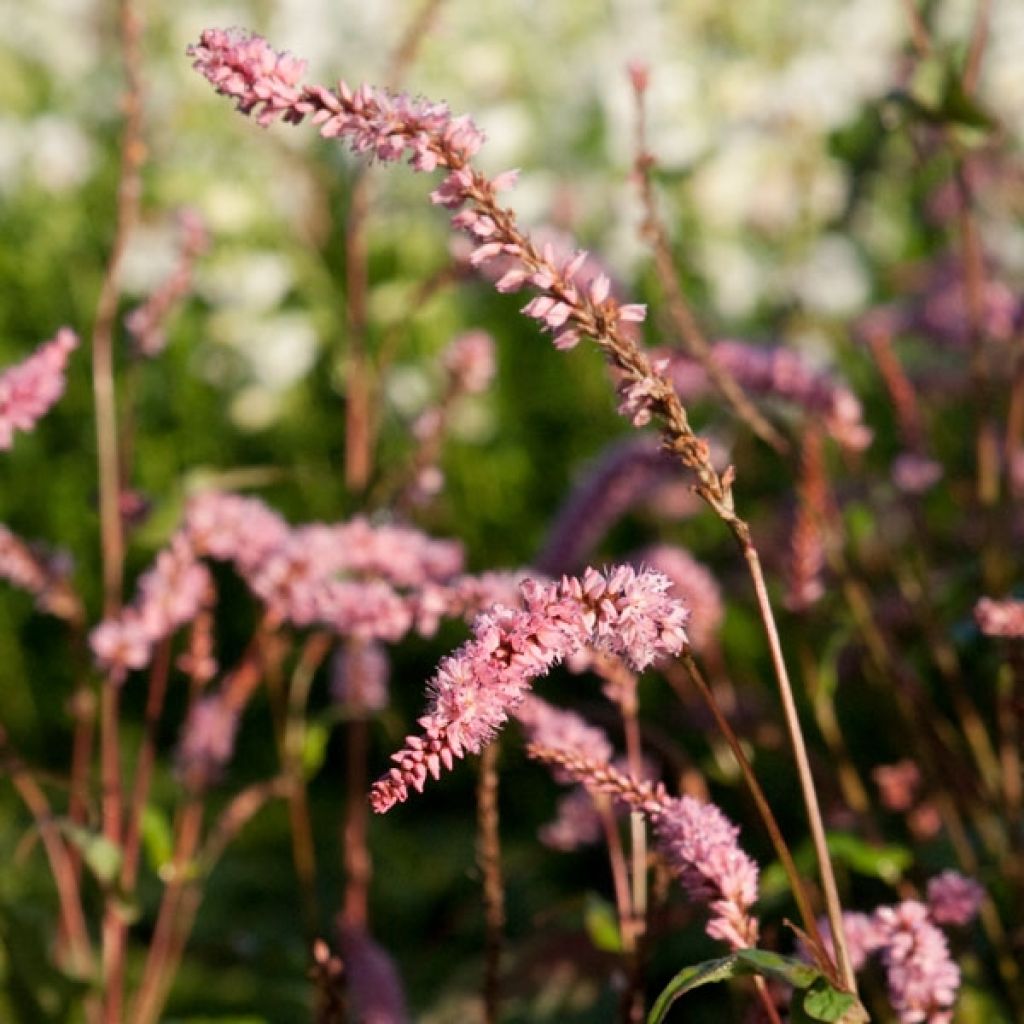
391 127
697 840
29 389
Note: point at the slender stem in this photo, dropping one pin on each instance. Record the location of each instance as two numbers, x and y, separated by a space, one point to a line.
619 868
488 857
62 866
765 997
128 192
355 849
833 908
150 997
782 850
144 765
315 649
111 804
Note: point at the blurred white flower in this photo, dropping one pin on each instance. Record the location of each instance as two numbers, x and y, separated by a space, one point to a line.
832 279
59 153
256 280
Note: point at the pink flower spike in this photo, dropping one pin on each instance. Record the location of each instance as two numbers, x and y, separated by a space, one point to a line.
475 689
954 899
29 389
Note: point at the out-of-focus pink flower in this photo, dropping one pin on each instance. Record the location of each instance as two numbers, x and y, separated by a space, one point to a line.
207 741
122 644
624 476
470 362
1000 618
475 689
898 784
147 323
169 596
779 373
556 728
576 823
29 389
44 575
924 821
359 676
922 978
371 980
915 474
954 899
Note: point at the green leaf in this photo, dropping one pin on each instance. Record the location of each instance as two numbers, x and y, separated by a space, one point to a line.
102 856
314 748
156 837
689 978
825 1003
602 924
816 999
788 969
884 862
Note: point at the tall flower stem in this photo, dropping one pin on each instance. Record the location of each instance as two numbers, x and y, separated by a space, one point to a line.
488 858
782 850
111 527
151 994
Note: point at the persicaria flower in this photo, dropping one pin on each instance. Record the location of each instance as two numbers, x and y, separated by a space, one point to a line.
475 689
469 360
1000 618
698 842
921 975
954 899
29 389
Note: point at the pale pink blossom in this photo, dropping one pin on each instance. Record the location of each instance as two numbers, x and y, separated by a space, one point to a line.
1000 618
169 596
43 574
359 676
122 644
954 899
207 741
577 822
474 690
469 360
556 728
698 842
779 373
898 784
29 389
147 324
922 978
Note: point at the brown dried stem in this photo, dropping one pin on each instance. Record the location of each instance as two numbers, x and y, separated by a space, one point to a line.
488 858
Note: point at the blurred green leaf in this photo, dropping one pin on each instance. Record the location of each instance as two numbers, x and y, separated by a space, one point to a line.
101 855
602 924
314 748
156 837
